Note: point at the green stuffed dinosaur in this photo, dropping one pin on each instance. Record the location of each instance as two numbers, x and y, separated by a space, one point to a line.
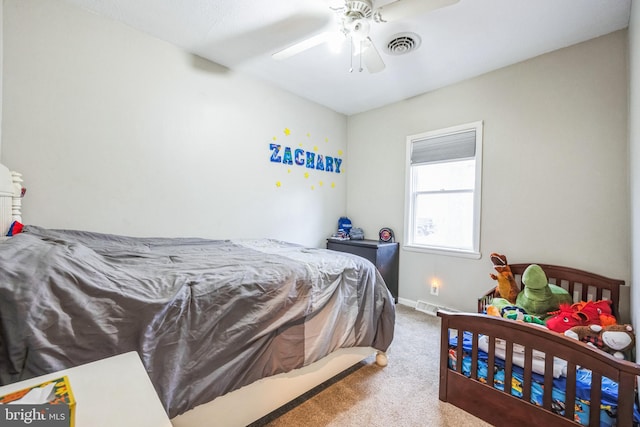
538 297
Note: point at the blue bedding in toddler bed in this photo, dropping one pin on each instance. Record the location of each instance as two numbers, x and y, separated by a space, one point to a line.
609 399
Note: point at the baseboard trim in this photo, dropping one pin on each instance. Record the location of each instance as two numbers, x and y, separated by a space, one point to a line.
424 306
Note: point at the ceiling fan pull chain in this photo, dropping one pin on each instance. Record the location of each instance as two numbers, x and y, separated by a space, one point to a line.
360 56
351 55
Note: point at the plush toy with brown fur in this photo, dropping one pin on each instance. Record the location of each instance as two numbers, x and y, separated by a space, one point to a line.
617 340
507 287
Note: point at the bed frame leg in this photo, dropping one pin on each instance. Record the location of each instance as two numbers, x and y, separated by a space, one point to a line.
381 358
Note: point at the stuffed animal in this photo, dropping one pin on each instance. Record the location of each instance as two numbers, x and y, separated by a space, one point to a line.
538 296
516 313
507 287
566 318
502 308
617 340
581 314
597 312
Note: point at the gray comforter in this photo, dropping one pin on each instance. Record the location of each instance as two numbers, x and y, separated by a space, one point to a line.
206 316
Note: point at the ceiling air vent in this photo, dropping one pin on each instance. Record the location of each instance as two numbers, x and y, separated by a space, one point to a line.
403 43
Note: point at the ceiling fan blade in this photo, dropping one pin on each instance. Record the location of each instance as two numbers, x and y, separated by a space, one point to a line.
303 45
405 8
370 56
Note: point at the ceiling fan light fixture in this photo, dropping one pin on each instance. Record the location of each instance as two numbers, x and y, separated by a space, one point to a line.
358 29
403 43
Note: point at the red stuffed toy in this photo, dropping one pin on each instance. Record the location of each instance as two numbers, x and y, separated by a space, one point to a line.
598 312
565 319
581 314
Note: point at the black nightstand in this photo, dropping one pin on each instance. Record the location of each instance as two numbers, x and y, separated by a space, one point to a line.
385 256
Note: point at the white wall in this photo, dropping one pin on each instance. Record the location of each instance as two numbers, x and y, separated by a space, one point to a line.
117 131
634 144
555 169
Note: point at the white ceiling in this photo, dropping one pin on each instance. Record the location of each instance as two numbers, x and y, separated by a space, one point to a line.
459 41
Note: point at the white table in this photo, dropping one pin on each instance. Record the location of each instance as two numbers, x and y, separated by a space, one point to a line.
111 392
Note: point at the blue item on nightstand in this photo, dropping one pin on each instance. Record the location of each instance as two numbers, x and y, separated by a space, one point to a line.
344 225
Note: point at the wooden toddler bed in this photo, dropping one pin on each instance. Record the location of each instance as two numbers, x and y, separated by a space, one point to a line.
567 370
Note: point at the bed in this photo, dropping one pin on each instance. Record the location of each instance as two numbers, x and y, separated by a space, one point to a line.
217 323
545 369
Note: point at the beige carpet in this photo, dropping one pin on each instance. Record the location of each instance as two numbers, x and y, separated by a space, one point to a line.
404 393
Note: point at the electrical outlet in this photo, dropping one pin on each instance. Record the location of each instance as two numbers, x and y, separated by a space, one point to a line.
434 289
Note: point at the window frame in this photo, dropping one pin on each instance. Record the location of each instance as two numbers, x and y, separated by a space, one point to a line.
410 244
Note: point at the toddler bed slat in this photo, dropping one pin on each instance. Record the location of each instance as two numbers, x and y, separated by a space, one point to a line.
571 389
596 396
474 357
528 362
625 404
548 383
508 367
491 361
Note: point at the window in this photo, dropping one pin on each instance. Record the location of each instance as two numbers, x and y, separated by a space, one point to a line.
444 172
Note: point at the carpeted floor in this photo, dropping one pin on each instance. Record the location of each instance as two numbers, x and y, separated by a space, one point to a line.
404 393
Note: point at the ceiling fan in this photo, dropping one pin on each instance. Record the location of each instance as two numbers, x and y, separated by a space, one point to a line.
354 18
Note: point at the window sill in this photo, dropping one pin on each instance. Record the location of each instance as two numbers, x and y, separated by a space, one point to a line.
442 251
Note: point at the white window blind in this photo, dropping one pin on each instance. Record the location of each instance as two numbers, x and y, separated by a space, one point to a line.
455 146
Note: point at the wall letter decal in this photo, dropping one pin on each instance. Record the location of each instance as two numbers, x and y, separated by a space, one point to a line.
311 159
287 160
329 164
275 149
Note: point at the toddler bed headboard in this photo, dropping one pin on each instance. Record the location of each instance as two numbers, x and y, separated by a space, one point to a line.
581 285
10 195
